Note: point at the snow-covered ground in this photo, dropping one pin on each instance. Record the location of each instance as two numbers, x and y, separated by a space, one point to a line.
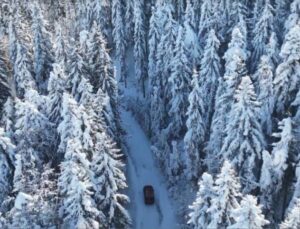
143 171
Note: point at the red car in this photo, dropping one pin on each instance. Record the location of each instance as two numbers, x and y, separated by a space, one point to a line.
148 195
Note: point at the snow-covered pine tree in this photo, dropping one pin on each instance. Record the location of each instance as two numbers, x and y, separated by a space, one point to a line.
292 220
70 126
155 33
77 70
281 14
140 57
59 45
210 74
248 215
42 47
208 19
262 33
8 117
267 181
35 129
287 80
293 18
129 25
22 70
56 86
119 36
78 209
245 141
195 124
7 151
264 89
227 195
164 54
235 68
200 217
5 90
178 87
272 51
102 16
282 150
108 180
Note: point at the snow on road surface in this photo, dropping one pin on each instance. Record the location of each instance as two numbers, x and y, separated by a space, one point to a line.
143 171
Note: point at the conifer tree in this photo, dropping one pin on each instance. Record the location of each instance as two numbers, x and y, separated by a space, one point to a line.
108 181
23 78
292 219
210 73
262 33
43 56
178 84
248 214
244 142
140 45
78 207
119 36
227 195
235 58
287 81
200 217
264 90
7 153
4 80
195 124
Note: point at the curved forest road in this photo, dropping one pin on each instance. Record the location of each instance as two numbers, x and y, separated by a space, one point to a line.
142 171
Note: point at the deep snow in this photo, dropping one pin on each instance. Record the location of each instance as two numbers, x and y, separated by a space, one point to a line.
143 171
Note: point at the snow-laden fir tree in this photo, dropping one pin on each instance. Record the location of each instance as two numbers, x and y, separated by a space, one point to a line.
200 217
129 25
235 68
178 86
267 181
281 153
287 80
292 219
248 215
119 35
5 90
281 14
227 195
262 33
34 129
272 51
78 70
155 32
195 124
108 180
42 47
56 86
140 57
8 117
164 54
244 142
70 126
210 74
293 18
208 18
7 152
78 209
102 16
59 45
189 15
22 72
264 89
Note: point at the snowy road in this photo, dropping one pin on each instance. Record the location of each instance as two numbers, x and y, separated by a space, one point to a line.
142 171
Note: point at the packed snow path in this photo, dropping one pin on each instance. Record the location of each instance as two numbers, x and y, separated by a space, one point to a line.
143 171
